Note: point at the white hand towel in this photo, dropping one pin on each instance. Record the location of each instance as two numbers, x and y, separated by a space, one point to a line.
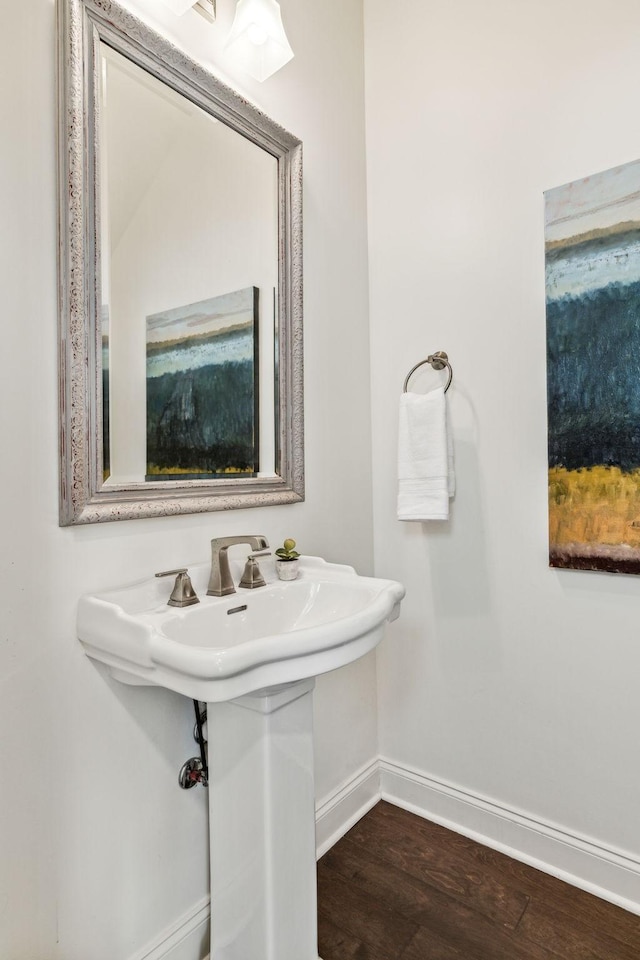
426 478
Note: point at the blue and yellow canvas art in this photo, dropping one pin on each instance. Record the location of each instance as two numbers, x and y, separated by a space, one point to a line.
592 234
202 389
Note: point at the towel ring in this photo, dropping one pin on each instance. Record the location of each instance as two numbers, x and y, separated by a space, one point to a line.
438 361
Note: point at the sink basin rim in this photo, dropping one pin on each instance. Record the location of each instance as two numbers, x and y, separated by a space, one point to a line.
220 662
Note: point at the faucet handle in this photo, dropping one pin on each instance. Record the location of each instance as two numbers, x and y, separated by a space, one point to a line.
252 577
183 594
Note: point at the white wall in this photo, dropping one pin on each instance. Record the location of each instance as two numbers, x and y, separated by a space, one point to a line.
510 681
99 849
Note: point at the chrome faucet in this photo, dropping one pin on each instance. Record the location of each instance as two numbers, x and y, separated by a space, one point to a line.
221 581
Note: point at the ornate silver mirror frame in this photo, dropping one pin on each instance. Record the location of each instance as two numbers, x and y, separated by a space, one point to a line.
82 26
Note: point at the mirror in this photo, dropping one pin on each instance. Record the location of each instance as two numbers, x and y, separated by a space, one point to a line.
180 286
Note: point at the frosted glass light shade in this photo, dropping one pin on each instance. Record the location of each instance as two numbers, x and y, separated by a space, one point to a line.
179 6
257 39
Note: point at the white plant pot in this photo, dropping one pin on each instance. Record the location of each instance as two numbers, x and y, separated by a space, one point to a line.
287 569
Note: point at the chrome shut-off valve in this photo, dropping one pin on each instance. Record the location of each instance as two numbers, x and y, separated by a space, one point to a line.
196 769
191 773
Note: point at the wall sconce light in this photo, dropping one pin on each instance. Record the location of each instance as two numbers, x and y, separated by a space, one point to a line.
257 38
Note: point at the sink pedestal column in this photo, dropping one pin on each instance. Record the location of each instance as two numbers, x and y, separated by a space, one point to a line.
262 826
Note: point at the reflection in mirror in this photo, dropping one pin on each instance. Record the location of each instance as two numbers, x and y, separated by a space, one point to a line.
181 270
190 268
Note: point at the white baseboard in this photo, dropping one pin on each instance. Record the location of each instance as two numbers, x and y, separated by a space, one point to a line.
186 939
613 875
338 812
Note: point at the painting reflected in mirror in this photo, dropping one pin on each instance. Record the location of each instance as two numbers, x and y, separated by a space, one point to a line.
202 389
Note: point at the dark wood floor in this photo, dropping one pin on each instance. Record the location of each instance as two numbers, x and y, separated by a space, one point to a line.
398 887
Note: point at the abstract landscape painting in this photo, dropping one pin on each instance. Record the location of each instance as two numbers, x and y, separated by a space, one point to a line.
592 237
202 389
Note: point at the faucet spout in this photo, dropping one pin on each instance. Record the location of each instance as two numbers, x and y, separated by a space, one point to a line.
221 581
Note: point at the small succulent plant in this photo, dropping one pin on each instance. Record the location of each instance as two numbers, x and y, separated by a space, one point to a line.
287 551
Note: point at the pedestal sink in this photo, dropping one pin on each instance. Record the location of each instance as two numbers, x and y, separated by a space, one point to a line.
253 658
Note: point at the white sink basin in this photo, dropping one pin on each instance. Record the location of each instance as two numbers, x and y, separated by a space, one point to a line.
213 652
